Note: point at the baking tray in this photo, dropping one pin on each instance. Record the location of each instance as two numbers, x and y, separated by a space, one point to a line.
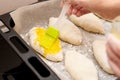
31 61
38 14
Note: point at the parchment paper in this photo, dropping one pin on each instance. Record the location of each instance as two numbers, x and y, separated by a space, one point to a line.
38 15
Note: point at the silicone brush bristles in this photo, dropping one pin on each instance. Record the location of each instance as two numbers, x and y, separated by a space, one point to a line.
51 35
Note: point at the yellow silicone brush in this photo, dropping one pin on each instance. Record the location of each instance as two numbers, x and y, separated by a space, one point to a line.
52 34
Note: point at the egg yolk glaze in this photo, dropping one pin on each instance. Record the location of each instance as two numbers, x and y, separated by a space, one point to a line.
54 49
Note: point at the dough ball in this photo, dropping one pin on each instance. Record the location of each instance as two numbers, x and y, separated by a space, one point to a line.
68 31
80 67
89 22
100 54
53 54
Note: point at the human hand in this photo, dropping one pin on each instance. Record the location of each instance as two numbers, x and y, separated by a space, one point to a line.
113 52
107 9
75 8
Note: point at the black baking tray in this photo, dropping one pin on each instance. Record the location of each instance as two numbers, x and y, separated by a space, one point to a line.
18 60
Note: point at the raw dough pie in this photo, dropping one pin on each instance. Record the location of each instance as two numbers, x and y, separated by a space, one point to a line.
68 31
80 67
99 50
89 22
54 53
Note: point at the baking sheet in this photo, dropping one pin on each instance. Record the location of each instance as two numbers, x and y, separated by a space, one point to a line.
38 15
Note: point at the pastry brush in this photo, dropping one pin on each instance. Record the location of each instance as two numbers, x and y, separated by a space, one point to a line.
52 34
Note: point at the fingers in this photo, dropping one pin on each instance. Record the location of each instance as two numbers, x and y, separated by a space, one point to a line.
114 43
113 52
76 7
74 11
115 68
78 11
69 11
112 56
